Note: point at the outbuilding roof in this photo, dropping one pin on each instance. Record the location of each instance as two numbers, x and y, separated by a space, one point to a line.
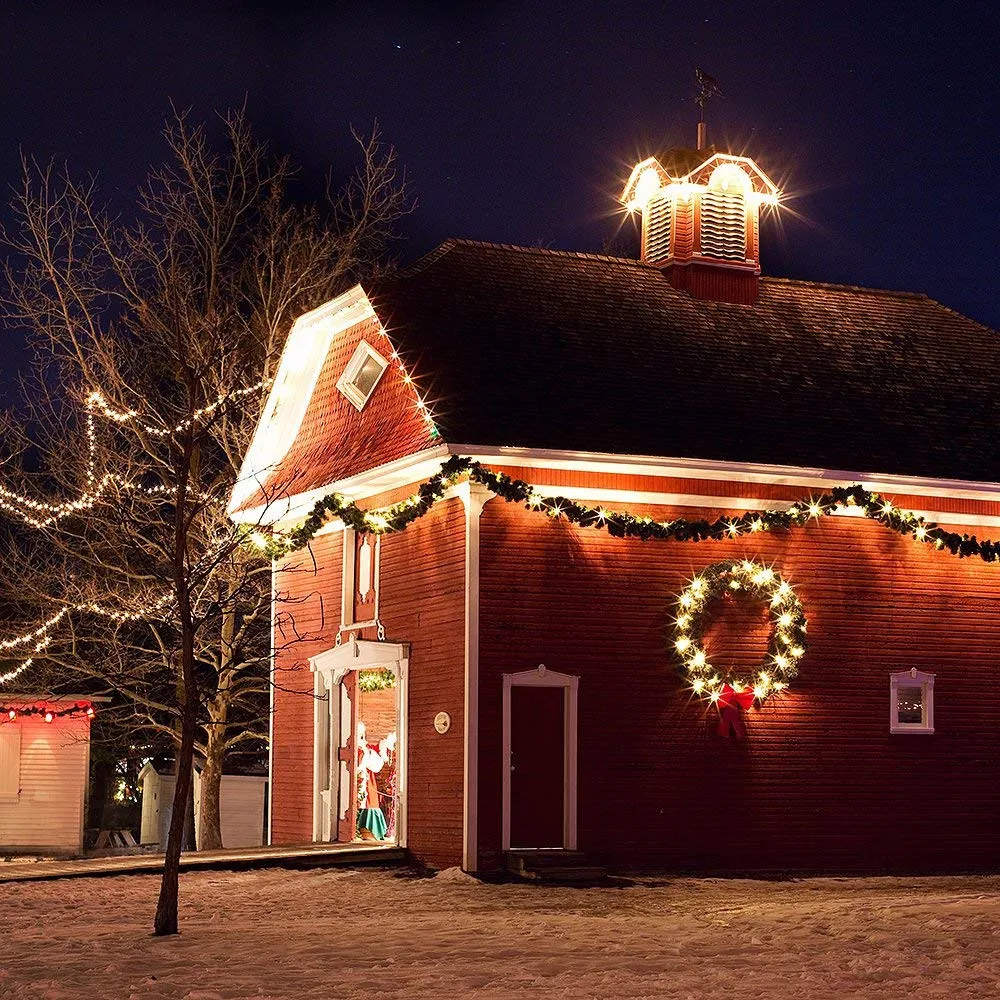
557 350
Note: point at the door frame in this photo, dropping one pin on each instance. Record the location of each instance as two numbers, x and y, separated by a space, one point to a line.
541 676
329 669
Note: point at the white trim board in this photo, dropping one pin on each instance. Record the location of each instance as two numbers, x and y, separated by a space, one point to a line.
421 465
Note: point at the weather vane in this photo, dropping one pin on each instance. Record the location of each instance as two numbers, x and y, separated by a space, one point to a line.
708 87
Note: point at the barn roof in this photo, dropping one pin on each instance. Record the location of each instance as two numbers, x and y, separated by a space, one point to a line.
557 350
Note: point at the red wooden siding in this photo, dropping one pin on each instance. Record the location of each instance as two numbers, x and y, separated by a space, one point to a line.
336 440
308 614
819 783
423 603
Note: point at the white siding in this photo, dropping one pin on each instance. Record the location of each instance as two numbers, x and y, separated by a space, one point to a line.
242 810
241 805
46 814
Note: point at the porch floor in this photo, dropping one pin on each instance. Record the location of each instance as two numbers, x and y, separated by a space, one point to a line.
239 859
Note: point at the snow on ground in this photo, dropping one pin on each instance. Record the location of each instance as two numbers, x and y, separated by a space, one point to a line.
342 935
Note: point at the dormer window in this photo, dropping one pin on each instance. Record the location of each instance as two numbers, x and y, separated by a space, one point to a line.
362 374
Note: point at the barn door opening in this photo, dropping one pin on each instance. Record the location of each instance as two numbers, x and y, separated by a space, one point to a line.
539 760
360 743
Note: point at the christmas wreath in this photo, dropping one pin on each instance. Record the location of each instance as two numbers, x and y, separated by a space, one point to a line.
788 634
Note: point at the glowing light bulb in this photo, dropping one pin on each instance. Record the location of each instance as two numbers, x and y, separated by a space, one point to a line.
48 716
647 185
785 619
682 643
698 660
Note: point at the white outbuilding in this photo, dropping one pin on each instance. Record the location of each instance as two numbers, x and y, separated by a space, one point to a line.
44 772
242 807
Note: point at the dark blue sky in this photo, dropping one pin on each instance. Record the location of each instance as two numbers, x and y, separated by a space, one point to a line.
518 122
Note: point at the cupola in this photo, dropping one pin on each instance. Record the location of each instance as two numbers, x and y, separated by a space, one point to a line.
701 220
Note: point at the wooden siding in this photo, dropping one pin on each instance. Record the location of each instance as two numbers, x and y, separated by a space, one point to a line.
47 814
818 784
335 439
308 612
423 603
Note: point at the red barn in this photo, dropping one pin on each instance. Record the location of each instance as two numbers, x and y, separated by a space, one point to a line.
640 614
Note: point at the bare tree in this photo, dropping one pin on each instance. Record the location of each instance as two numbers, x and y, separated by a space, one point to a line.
155 341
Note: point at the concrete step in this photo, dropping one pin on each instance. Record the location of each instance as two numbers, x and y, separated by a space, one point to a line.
553 866
566 873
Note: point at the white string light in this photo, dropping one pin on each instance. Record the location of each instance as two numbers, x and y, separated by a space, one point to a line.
41 637
41 514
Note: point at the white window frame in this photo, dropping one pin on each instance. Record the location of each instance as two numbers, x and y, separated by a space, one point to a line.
345 384
911 678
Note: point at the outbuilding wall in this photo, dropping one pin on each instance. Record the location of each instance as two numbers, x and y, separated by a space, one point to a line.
46 814
818 783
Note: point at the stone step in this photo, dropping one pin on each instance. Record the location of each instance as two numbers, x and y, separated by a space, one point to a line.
553 866
565 873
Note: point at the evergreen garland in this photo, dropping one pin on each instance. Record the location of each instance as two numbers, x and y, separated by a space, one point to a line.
622 524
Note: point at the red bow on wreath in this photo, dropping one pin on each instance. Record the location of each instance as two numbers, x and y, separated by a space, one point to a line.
732 704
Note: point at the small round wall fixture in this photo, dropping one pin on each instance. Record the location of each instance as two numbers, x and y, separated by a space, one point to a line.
442 722
788 632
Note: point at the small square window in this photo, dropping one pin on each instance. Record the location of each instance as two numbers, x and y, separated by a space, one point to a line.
362 374
911 702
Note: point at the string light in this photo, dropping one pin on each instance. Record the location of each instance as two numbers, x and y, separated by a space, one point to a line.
623 524
10 713
40 514
758 581
40 638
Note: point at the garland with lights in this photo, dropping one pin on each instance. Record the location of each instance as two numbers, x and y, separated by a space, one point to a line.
376 680
10 713
621 524
788 634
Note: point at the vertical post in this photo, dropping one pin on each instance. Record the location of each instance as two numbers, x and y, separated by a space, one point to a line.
474 496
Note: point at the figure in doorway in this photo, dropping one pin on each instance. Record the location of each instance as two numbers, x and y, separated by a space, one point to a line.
372 824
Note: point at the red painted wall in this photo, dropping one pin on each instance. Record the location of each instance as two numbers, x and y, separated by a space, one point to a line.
423 604
308 616
819 783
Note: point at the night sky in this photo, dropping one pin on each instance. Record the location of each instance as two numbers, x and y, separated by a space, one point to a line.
519 122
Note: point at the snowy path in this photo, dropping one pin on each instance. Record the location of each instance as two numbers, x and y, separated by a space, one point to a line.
341 935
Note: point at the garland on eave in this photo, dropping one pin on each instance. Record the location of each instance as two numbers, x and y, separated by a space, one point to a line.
621 524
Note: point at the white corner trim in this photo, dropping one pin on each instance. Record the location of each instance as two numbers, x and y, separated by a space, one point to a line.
541 676
474 498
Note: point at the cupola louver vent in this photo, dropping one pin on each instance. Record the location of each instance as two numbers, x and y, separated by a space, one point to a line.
723 226
658 230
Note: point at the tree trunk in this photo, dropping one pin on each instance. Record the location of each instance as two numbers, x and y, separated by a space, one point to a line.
100 792
165 921
210 838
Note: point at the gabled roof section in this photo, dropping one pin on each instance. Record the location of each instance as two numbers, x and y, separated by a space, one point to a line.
554 350
693 166
311 434
560 351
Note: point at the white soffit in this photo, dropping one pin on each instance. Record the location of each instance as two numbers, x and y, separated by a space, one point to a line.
302 360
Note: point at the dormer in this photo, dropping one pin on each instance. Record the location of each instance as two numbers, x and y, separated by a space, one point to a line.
701 220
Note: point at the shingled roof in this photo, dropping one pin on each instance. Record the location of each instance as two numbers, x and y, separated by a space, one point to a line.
556 350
